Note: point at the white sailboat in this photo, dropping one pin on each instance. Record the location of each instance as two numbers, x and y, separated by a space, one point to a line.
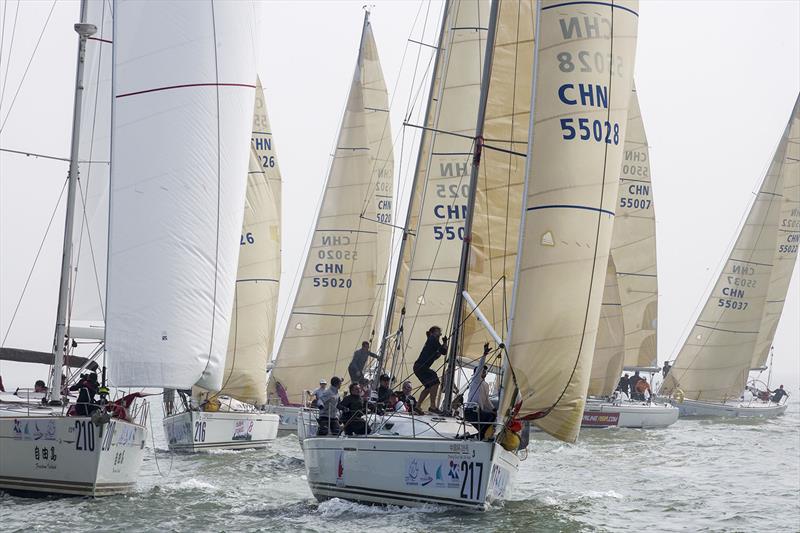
735 329
564 223
343 283
162 304
231 418
628 319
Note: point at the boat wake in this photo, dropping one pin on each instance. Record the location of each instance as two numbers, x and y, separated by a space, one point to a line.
336 507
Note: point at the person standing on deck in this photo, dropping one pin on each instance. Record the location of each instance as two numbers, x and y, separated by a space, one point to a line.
360 357
329 412
432 350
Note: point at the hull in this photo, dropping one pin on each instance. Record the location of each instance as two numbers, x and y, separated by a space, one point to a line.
192 431
689 408
604 414
288 416
69 455
410 472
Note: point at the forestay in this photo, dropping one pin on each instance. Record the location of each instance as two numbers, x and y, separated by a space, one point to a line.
90 231
335 303
585 63
716 358
431 251
183 90
256 298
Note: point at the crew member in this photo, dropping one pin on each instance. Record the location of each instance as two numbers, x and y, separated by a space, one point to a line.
432 350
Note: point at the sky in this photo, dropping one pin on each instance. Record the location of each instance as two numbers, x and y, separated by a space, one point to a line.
716 83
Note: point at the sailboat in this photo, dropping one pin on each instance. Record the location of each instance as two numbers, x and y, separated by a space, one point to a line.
735 329
628 319
229 418
564 232
344 277
166 295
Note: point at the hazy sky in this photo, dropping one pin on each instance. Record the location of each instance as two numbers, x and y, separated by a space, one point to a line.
717 81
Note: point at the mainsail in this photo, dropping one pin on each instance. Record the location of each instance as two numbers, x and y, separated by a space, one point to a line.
430 256
90 232
183 90
334 307
582 87
256 298
736 325
632 300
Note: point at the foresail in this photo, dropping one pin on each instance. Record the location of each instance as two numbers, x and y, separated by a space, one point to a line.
609 348
429 263
90 232
786 247
379 139
579 120
184 83
716 358
494 238
333 309
256 298
633 245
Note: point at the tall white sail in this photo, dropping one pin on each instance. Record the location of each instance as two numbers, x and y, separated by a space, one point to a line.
430 259
256 298
579 122
785 256
90 232
633 245
501 174
183 89
334 307
609 349
716 358
380 203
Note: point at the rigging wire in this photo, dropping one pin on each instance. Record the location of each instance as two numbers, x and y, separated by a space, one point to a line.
10 50
27 67
35 260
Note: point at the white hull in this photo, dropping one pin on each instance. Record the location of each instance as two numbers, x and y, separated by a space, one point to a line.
604 414
192 431
409 471
752 409
69 455
288 416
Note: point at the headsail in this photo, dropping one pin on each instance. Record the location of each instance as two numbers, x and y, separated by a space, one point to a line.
430 257
608 349
335 303
183 89
256 298
579 120
716 358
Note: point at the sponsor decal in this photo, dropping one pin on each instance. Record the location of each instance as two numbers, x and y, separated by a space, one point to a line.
426 478
600 419
340 468
412 472
243 430
44 430
499 481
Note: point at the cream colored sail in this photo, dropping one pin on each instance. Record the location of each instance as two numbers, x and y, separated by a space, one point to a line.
334 306
633 245
379 139
786 248
256 298
430 257
609 349
499 190
716 358
579 122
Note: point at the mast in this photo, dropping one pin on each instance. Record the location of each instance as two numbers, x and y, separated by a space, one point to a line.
404 241
84 31
473 180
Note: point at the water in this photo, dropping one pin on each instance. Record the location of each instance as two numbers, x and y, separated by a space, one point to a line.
698 475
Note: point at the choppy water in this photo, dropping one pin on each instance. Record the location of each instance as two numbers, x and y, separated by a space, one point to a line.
698 475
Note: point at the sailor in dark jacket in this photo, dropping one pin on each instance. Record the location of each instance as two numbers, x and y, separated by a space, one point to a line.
352 408
432 350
